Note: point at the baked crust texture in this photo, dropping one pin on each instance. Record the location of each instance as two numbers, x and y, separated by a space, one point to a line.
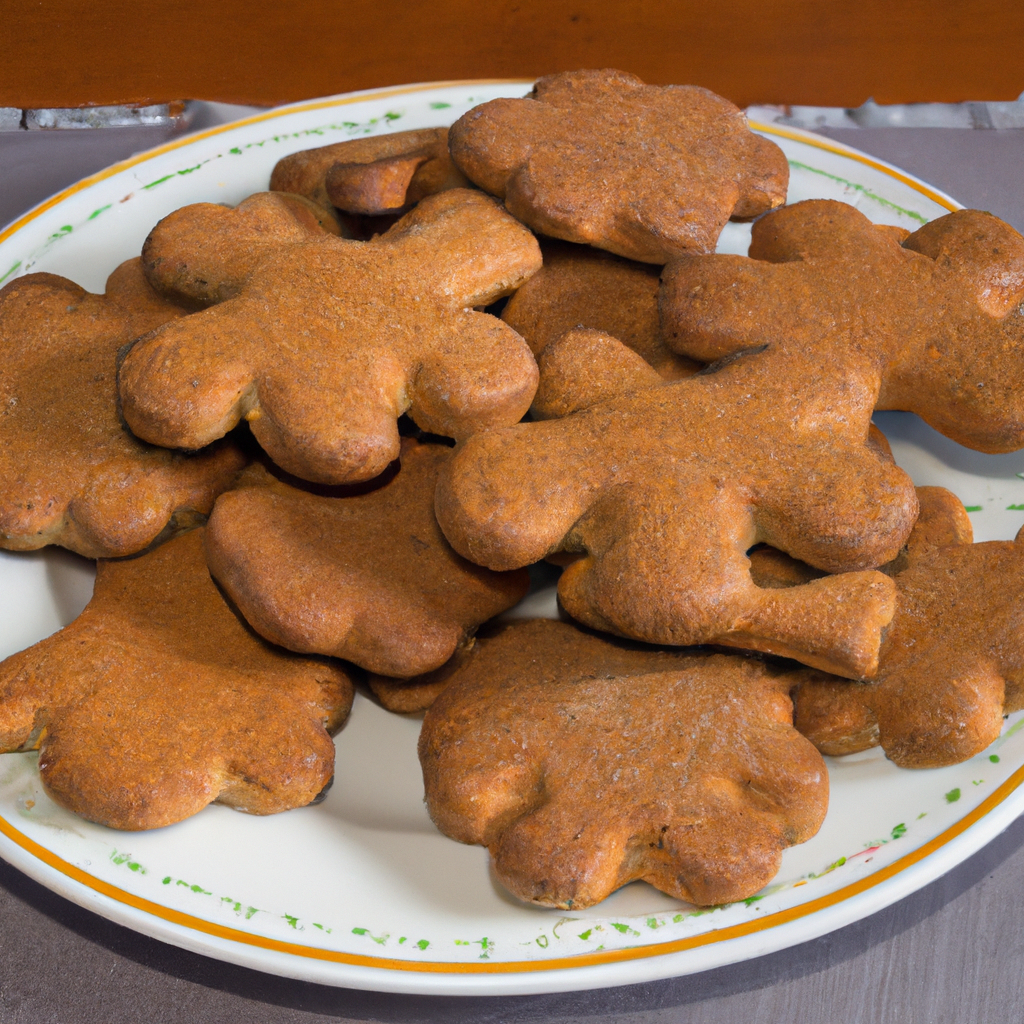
71 474
322 342
584 763
158 700
596 156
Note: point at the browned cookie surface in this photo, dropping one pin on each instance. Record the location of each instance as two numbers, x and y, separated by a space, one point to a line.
584 763
204 253
374 175
952 661
327 341
368 577
648 172
158 700
409 696
936 316
661 487
70 473
583 287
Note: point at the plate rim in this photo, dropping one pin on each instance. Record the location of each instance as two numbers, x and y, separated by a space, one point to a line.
996 799
791 925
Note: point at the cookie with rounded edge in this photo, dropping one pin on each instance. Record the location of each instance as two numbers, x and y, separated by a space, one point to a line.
647 172
583 287
202 254
410 696
952 661
663 487
936 317
327 341
584 763
374 175
659 488
70 472
158 700
367 577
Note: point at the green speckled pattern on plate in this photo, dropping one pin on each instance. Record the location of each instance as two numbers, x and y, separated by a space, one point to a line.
362 890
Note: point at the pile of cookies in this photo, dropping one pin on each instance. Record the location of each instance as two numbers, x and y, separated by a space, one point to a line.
748 579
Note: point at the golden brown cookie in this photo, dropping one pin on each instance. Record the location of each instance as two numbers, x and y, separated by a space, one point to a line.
583 287
952 661
367 577
769 568
936 317
661 488
70 473
585 367
584 763
204 253
375 175
647 172
328 341
158 700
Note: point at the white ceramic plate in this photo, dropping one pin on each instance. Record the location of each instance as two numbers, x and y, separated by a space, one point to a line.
362 890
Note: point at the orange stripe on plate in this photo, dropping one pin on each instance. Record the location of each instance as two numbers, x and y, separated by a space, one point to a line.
185 140
583 959
513 967
819 142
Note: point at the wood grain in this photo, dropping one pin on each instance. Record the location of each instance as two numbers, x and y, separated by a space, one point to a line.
81 52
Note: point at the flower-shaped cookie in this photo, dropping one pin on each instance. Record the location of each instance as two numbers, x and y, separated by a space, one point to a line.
584 763
367 577
374 175
157 700
328 340
648 172
70 473
952 661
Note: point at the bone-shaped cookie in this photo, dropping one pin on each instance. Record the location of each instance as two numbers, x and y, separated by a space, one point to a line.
158 700
329 340
665 486
70 473
662 487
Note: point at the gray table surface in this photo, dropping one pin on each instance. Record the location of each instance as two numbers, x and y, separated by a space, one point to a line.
951 952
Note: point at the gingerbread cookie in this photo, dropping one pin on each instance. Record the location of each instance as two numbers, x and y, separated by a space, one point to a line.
70 473
661 488
583 287
647 172
952 661
366 577
934 317
769 444
204 253
157 700
372 176
584 763
328 341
